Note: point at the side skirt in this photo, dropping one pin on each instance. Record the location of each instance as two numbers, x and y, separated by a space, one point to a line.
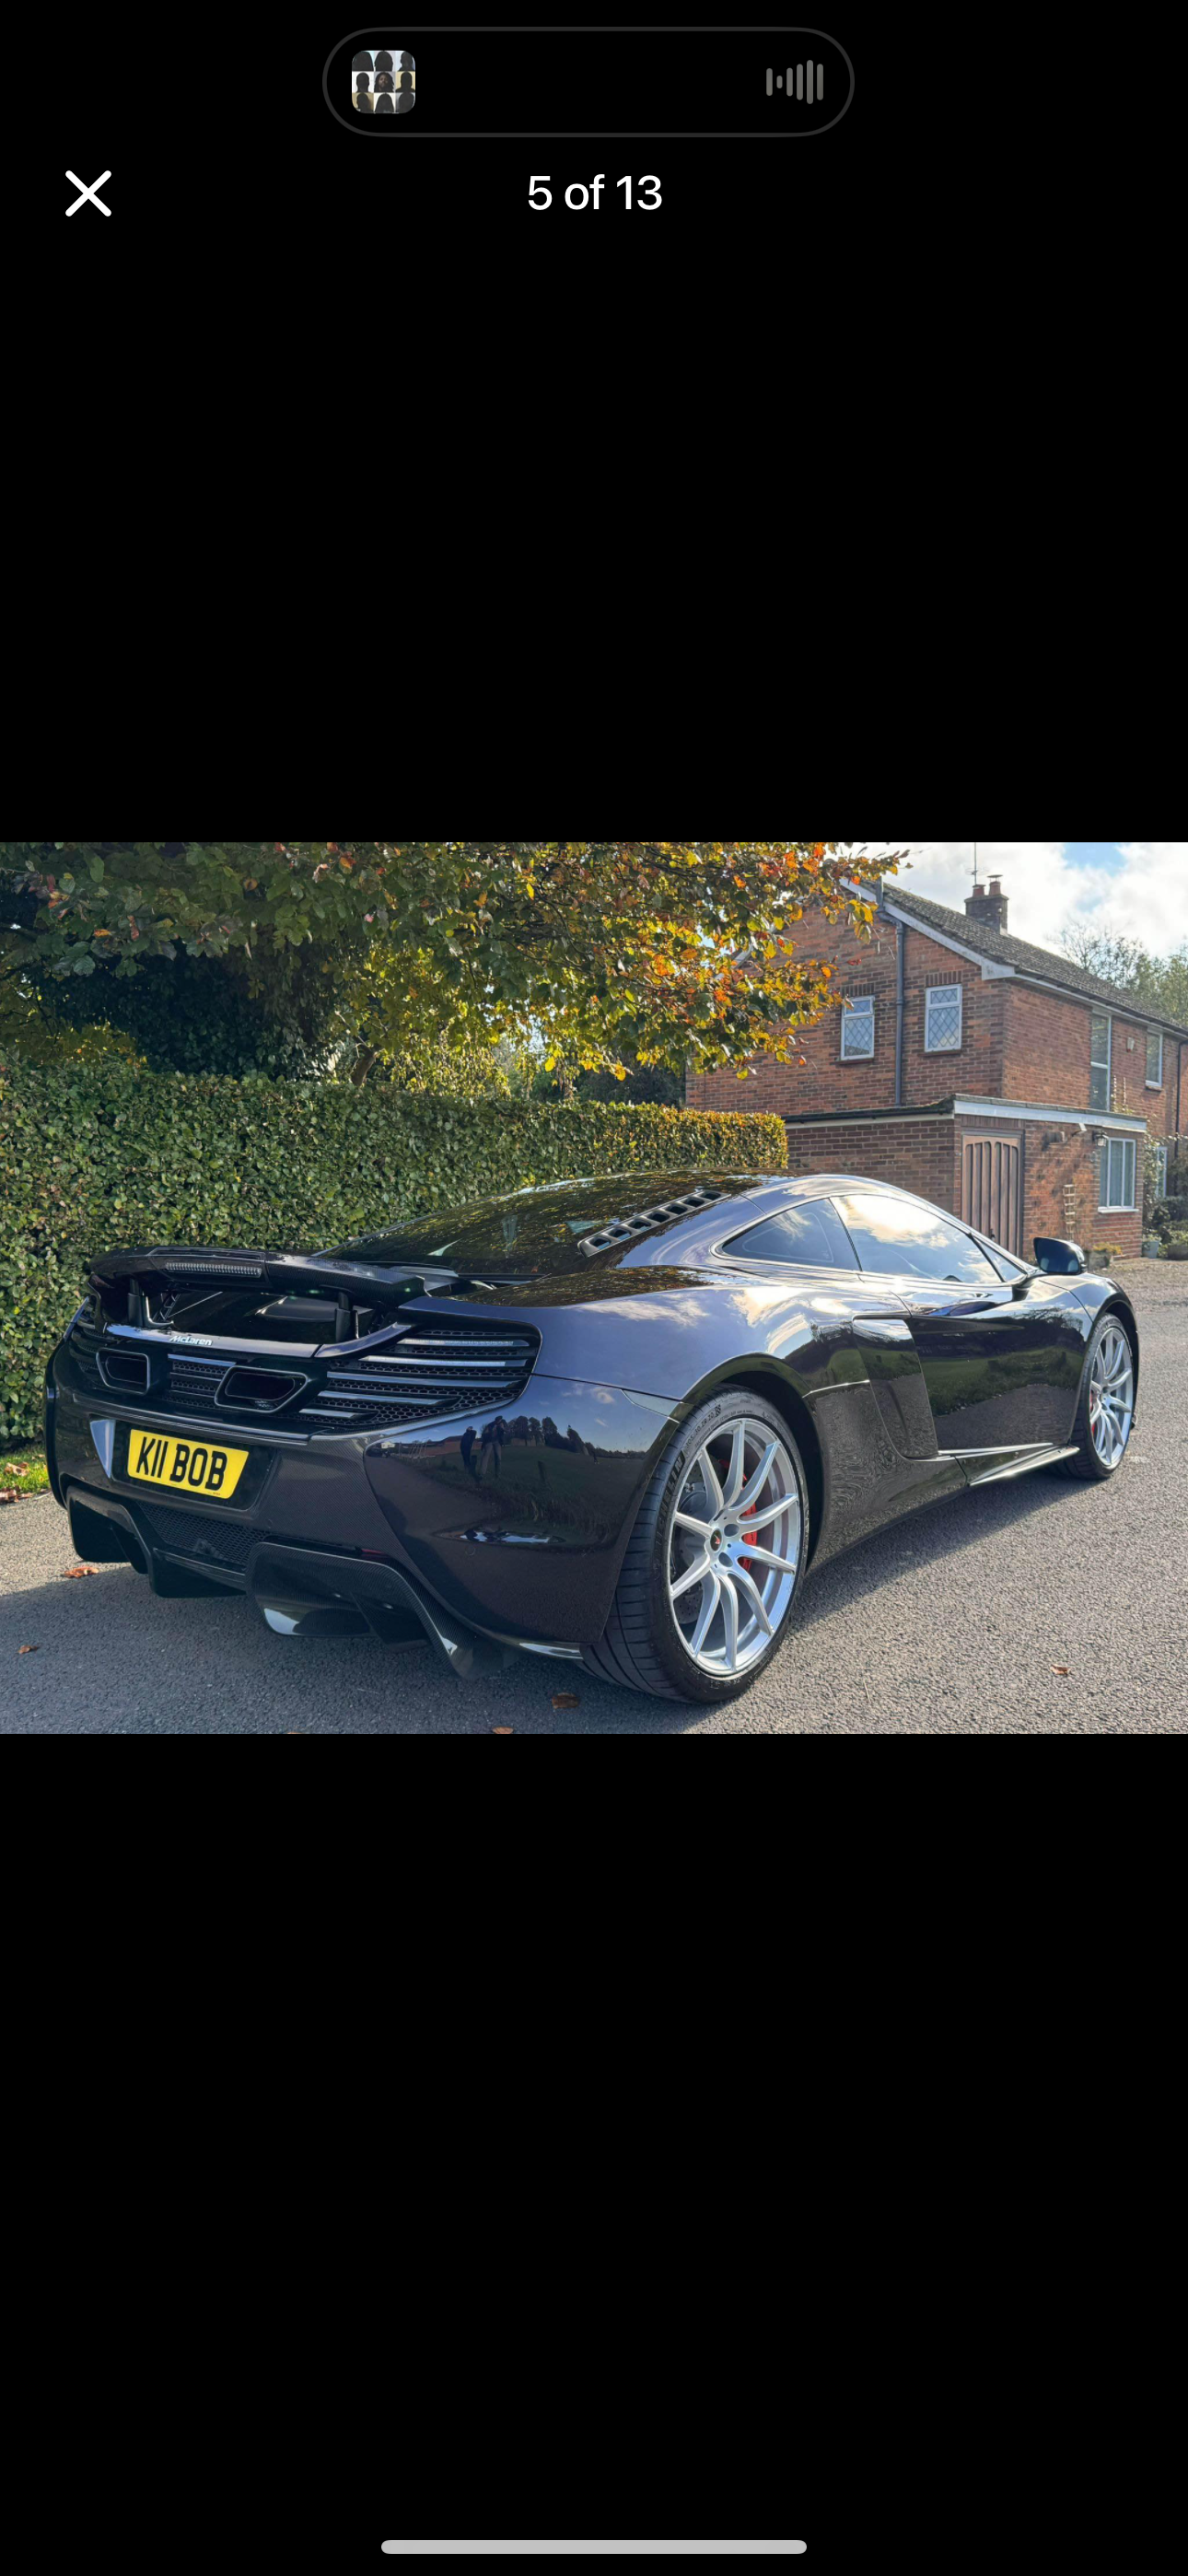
993 1466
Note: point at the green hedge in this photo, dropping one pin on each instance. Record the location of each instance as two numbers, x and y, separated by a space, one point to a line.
99 1157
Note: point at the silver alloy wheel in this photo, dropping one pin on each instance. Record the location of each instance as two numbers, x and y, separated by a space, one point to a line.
734 1546
1111 1395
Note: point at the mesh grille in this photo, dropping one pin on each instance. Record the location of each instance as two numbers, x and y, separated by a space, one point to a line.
192 1385
200 1534
197 1373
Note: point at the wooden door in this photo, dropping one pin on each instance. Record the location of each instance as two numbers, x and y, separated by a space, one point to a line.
990 1188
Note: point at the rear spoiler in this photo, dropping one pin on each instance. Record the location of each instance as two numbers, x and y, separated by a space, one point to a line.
181 1267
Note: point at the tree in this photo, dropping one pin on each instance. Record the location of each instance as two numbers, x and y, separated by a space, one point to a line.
1105 953
280 953
1153 983
633 1082
155 941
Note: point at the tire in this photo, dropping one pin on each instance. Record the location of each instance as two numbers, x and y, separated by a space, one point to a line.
1089 1461
647 1644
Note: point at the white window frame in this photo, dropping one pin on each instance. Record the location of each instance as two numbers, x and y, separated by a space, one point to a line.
943 993
1124 1147
1161 1171
1100 1064
863 1005
1154 1080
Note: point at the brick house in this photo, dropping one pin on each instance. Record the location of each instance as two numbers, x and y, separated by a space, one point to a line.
997 1079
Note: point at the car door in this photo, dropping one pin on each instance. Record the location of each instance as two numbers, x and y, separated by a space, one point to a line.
1001 1356
859 1325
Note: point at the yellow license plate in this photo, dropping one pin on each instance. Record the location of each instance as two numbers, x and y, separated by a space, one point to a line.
186 1466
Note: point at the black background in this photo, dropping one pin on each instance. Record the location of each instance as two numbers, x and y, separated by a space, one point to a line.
241 207
858 346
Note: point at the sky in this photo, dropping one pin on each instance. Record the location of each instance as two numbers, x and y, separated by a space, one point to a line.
1137 887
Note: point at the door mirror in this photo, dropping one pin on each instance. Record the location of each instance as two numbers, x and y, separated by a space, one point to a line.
1053 1253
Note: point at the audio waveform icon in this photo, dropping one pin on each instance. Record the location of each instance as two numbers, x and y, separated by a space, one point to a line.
803 77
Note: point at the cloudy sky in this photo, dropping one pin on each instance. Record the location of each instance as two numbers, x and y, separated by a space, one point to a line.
1138 887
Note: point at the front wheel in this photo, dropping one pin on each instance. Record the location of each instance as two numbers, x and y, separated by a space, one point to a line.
1101 1428
714 1561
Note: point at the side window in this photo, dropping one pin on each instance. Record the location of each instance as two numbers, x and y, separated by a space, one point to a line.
1006 1268
901 1236
1155 1057
942 1018
809 1232
1099 1059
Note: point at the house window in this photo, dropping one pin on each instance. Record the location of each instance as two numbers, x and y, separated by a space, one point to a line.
1161 1171
857 1024
1155 1058
1099 1060
1117 1173
942 1018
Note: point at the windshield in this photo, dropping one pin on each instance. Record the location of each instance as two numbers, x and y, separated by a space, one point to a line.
540 1230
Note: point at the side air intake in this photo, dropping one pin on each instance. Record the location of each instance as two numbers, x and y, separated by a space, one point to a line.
432 1370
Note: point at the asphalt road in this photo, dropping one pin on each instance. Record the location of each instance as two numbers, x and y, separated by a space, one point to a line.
949 1623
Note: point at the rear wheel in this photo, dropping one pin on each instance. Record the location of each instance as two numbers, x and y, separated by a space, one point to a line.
1105 1411
713 1564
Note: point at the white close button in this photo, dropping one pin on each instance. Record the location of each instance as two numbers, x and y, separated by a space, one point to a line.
88 194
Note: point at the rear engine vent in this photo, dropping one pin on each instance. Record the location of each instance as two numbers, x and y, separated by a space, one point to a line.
433 1369
124 1369
625 1228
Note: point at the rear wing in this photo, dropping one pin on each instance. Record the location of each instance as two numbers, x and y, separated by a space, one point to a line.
182 1267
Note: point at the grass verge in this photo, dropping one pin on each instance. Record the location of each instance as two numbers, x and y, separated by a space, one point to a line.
24 1471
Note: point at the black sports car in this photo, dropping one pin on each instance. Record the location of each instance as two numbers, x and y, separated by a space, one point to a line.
615 1420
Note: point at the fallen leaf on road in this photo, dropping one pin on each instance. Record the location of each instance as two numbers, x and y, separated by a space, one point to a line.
566 1699
503 1730
12 1495
1060 1668
28 1650
76 1569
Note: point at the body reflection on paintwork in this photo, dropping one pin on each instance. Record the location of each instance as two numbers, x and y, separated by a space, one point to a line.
1000 1369
512 1518
562 1475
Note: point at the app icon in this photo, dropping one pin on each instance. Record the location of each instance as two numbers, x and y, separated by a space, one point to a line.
383 83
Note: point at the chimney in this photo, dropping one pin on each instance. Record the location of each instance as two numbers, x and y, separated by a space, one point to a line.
990 907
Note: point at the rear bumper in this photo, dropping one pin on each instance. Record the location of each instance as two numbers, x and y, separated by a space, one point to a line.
300 1591
487 1536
